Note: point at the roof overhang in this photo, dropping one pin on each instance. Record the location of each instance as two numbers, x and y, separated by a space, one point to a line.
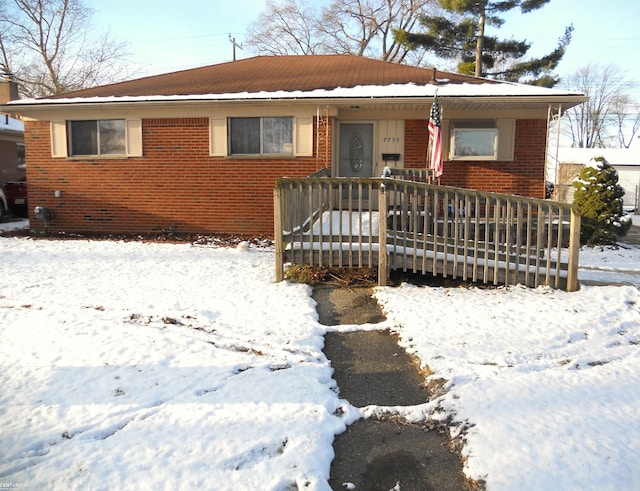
453 96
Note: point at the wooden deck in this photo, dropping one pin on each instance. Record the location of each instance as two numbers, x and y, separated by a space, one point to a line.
442 231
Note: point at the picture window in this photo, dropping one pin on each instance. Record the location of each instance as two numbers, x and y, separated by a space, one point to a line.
97 137
261 136
474 140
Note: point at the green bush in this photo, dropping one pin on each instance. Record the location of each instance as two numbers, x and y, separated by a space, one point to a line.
599 199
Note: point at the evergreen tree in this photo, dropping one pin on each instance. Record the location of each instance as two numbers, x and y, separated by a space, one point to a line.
461 36
599 199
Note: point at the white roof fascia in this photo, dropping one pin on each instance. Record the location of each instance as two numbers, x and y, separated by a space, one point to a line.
502 92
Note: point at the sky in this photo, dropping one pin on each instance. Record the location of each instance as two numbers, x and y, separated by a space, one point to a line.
194 33
204 373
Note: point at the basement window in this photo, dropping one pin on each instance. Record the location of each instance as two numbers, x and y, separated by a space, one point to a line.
474 140
261 136
97 137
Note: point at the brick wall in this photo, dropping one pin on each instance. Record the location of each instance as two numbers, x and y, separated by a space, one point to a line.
524 176
178 186
415 146
175 186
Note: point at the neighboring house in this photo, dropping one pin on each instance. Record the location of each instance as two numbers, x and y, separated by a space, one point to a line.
625 160
199 150
11 136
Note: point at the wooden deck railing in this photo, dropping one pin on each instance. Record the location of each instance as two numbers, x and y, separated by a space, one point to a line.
424 228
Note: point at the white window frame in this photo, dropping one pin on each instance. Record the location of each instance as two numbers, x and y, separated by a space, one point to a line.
287 147
503 140
60 142
484 132
98 135
302 138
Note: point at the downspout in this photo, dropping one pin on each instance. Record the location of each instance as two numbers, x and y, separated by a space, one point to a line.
555 181
328 151
548 153
326 161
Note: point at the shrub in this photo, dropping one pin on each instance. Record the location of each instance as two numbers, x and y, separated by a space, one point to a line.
599 199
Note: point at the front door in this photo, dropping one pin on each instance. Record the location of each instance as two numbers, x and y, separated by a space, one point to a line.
355 159
356 150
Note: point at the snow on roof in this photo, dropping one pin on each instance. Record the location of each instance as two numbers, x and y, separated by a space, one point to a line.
305 78
362 91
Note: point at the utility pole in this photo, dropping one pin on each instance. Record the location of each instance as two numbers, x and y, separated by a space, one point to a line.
235 45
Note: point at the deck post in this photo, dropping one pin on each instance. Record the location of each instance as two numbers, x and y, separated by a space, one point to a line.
574 251
382 237
277 232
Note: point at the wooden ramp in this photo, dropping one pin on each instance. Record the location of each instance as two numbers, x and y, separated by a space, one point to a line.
442 231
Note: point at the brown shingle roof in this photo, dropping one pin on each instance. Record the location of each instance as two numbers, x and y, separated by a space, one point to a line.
274 73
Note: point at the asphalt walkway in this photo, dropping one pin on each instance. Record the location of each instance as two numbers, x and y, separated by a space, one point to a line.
370 368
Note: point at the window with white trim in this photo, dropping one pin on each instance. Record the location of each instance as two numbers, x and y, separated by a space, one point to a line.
261 136
97 137
474 140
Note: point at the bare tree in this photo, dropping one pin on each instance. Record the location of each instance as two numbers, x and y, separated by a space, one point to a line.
284 28
610 117
47 45
627 118
359 27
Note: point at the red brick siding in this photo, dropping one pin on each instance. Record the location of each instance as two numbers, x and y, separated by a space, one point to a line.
176 185
523 176
415 146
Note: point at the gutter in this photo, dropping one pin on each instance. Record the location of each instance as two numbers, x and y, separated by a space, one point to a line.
567 100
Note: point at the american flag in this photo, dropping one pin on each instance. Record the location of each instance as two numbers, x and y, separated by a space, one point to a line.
435 139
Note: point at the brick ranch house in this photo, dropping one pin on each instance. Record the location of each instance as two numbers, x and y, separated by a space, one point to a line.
199 150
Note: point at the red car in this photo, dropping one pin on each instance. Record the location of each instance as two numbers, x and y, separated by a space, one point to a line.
16 194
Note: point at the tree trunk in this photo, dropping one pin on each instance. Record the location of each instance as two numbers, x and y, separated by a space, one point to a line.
480 42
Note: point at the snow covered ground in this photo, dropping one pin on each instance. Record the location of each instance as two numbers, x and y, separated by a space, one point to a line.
130 365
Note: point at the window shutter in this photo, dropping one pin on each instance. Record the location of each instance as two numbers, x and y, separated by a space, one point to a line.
58 139
506 138
446 139
304 137
218 137
134 137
